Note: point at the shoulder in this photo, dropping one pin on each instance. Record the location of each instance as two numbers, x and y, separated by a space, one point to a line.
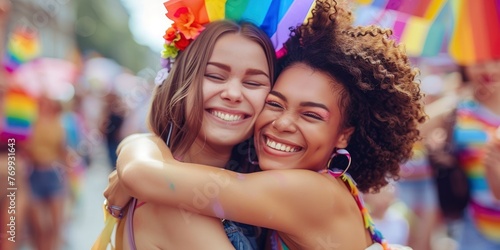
310 194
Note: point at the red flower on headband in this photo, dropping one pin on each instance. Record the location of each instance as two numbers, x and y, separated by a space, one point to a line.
170 34
182 43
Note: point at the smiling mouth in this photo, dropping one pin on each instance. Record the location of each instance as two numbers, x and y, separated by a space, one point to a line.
226 116
281 146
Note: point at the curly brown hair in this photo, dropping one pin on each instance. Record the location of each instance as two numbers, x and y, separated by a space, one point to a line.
381 98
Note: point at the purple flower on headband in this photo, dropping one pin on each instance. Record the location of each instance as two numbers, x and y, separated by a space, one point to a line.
161 76
165 63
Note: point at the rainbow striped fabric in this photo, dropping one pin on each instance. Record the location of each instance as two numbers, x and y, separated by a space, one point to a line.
467 30
474 122
20 110
476 36
424 27
275 17
22 46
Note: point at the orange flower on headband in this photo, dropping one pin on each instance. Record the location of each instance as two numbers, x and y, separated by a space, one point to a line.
184 20
183 30
188 17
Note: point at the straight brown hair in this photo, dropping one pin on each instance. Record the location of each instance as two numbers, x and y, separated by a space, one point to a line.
168 106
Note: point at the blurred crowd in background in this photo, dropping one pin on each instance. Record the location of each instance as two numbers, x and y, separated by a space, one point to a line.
73 81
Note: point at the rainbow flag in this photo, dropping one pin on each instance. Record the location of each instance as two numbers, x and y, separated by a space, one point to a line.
424 27
19 112
22 46
275 17
426 9
465 29
476 35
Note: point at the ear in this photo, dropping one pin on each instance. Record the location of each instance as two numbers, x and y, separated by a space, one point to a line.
344 137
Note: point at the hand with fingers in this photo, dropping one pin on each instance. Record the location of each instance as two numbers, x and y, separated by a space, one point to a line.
116 196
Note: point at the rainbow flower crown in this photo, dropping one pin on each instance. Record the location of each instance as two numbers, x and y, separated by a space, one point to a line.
274 17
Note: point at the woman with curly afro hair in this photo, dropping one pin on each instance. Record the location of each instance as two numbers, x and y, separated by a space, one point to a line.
341 117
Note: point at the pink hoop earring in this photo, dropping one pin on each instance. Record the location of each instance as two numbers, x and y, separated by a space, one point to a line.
337 171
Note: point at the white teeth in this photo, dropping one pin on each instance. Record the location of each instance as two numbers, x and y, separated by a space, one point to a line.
281 146
227 117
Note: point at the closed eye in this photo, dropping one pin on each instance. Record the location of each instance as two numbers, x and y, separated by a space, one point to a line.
314 116
214 77
253 84
273 104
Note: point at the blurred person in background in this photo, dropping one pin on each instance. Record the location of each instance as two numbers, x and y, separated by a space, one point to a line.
418 192
477 117
113 118
389 215
10 239
416 188
75 133
49 162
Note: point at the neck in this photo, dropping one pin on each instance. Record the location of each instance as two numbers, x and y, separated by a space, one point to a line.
202 153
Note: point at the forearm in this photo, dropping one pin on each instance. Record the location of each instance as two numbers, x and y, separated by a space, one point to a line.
147 171
493 179
492 163
195 188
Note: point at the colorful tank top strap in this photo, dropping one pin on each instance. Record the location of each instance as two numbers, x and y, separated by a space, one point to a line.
130 224
351 185
277 243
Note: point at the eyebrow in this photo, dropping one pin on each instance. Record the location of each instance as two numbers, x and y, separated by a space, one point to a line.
303 104
228 68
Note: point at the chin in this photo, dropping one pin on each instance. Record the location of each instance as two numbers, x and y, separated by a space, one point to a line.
273 164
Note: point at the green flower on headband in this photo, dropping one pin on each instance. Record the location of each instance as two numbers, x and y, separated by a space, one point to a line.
169 51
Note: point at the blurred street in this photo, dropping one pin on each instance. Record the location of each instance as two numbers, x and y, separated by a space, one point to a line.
87 219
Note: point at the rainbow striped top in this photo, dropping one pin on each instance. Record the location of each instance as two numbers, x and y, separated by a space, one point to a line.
470 135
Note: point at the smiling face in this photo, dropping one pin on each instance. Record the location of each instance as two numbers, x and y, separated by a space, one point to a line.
235 85
485 78
301 123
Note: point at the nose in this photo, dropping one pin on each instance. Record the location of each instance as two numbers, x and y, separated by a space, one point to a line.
285 123
232 91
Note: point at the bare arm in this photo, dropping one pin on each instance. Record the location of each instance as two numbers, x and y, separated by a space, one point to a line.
275 199
492 164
